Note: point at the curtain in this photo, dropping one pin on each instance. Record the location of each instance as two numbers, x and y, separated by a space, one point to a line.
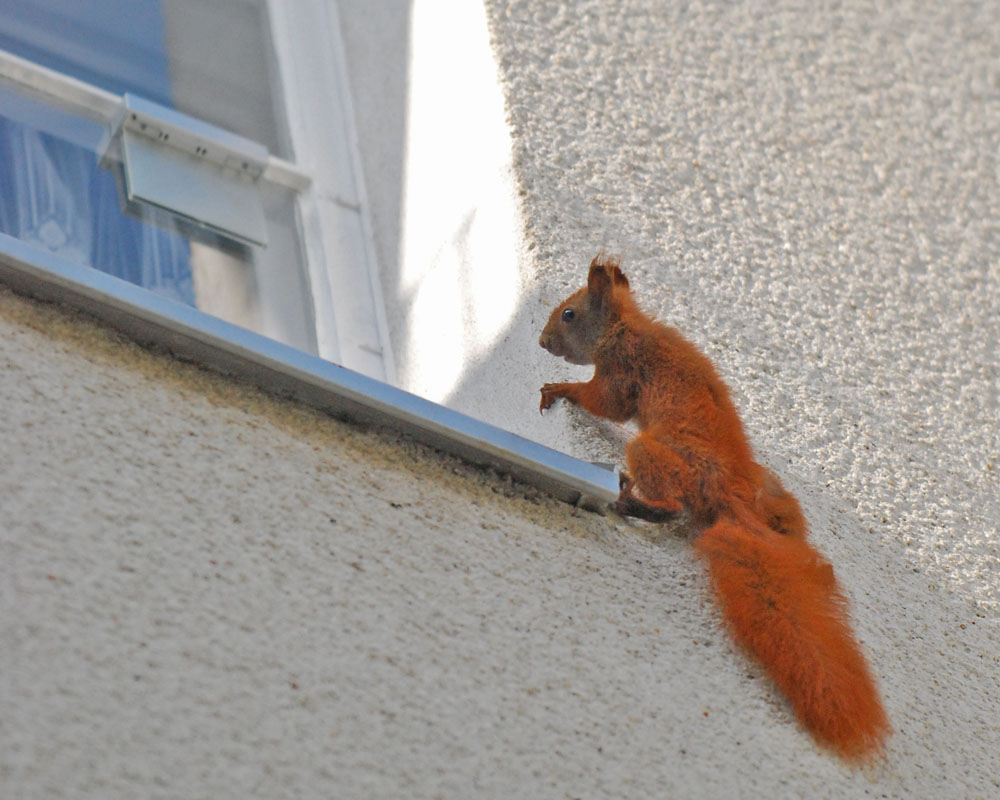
53 193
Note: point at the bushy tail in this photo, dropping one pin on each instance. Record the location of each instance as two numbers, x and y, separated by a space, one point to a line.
781 601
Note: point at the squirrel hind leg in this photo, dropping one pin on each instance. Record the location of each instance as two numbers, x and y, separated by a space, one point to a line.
628 505
657 473
671 477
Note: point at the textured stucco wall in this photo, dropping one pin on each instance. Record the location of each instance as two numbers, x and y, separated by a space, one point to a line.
812 194
212 593
208 592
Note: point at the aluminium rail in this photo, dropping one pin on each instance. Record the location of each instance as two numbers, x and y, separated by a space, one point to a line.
287 371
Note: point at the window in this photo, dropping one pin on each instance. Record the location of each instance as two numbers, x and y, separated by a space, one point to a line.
113 115
69 71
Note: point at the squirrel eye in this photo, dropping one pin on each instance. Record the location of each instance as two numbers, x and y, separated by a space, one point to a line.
568 314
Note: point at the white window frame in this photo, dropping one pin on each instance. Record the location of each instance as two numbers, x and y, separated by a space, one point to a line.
335 232
353 374
339 247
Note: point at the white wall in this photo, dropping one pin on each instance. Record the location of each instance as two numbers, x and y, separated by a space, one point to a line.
207 592
807 194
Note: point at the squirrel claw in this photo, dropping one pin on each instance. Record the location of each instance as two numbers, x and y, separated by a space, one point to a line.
625 483
548 397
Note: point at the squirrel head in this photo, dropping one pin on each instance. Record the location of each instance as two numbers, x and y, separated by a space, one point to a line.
579 322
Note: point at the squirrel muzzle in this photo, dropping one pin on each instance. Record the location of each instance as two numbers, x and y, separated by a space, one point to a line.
560 348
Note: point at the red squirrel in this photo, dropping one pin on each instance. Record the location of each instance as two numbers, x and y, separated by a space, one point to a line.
778 595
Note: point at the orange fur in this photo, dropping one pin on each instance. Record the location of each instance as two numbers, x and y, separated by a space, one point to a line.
778 596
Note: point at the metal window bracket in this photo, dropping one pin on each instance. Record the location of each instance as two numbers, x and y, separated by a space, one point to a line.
192 169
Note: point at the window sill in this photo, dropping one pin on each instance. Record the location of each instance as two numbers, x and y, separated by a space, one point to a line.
277 368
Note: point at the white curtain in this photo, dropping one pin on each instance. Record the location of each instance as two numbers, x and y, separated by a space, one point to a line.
54 195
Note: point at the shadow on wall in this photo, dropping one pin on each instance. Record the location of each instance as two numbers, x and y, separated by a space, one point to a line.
436 153
463 312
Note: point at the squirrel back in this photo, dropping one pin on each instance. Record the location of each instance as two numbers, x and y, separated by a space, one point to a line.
778 595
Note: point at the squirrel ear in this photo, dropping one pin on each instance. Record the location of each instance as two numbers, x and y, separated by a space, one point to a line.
598 281
605 273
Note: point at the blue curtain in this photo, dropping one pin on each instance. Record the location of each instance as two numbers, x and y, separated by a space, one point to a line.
52 191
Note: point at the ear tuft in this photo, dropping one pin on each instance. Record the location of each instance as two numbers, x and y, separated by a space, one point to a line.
605 273
619 277
602 259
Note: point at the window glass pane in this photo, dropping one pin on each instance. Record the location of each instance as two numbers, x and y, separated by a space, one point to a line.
221 66
117 45
55 195
211 59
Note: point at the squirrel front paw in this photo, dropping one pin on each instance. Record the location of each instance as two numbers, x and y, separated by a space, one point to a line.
550 393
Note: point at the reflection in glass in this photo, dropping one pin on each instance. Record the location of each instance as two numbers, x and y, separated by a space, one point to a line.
55 195
211 59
